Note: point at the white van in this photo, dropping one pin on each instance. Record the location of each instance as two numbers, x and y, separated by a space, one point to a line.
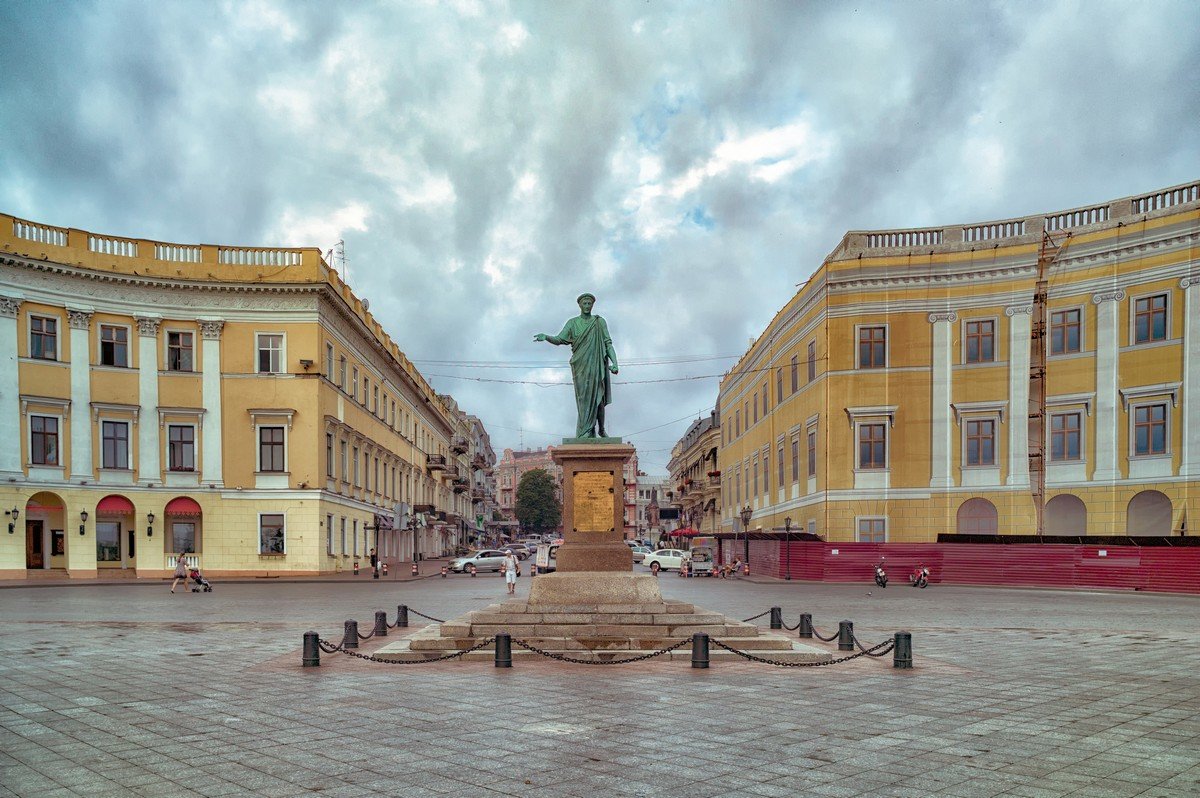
547 558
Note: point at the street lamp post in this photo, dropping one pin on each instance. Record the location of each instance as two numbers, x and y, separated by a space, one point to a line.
787 532
746 514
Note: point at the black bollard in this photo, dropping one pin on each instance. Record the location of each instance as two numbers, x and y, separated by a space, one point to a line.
776 617
902 652
312 651
380 623
846 636
700 650
806 624
402 616
350 640
503 650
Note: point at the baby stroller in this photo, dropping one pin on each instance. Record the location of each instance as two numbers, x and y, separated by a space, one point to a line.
199 583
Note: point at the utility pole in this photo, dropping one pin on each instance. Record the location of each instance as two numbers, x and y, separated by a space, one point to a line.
1039 331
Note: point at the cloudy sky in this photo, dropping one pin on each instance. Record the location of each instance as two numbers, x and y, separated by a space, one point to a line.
485 163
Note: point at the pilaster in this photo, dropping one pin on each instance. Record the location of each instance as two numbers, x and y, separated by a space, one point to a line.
80 322
1190 462
1107 357
10 389
149 470
211 455
941 427
1019 327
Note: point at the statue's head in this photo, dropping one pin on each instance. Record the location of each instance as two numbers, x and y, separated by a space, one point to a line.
586 301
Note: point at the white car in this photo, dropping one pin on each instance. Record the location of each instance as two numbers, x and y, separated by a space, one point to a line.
640 552
665 560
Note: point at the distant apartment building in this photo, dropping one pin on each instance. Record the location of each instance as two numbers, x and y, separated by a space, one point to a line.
890 399
512 466
695 477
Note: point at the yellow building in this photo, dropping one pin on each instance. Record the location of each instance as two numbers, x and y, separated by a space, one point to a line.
240 404
889 398
695 479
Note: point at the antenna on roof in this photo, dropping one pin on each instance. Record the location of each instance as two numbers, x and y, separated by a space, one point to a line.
339 252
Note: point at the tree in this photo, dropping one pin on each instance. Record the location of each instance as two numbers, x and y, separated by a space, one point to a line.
537 509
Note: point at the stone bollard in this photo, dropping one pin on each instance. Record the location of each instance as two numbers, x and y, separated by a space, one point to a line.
402 616
415 568
700 650
503 650
474 570
380 623
846 636
806 625
312 651
350 640
776 617
445 571
902 652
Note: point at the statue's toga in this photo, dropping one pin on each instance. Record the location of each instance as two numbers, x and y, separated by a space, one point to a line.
592 358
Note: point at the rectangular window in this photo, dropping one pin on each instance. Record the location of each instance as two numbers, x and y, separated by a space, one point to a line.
981 341
354 535
343 548
795 373
766 399
737 423
270 353
354 462
271 534
1150 429
181 448
767 472
755 408
812 454
1064 332
329 469
795 459
1150 319
981 442
872 347
1065 440
108 541
329 535
812 360
375 400
114 346
342 457
779 465
183 536
755 478
114 437
43 443
270 449
354 383
329 362
179 351
341 380
375 475
872 530
778 386
737 488
872 446
43 337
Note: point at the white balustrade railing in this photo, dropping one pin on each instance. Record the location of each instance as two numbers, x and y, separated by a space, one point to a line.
176 253
1167 198
1076 218
190 560
113 246
40 233
994 230
258 257
903 238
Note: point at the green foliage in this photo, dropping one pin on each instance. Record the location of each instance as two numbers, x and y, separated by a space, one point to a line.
537 509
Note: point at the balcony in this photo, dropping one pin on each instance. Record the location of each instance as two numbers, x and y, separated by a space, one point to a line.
453 473
436 462
459 445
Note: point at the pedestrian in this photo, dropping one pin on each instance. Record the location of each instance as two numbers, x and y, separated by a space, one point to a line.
181 571
374 563
510 571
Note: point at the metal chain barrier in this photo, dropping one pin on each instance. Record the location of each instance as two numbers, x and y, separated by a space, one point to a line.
423 615
829 639
563 658
756 617
868 651
329 648
883 648
792 628
362 636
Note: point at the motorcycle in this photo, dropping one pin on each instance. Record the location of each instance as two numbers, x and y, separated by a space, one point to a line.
880 575
919 577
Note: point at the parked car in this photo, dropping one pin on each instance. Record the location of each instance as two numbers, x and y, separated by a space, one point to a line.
484 560
520 549
664 560
640 552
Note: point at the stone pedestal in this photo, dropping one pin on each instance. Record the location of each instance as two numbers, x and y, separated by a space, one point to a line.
594 587
594 509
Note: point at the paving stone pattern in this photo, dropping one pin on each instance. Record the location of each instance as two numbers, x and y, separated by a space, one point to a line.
131 691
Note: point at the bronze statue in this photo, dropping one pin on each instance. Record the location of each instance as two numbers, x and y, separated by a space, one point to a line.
592 358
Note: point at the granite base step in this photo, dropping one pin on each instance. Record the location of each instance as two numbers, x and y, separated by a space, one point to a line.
400 651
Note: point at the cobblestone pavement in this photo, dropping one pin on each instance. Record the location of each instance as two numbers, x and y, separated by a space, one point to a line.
128 690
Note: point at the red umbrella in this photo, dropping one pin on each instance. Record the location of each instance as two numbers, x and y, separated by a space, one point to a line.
685 532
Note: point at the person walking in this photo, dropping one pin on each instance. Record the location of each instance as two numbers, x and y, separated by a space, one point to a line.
510 571
181 571
374 564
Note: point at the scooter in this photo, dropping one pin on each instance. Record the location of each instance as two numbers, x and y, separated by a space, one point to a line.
880 574
919 577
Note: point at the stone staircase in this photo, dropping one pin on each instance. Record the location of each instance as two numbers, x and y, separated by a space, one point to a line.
596 632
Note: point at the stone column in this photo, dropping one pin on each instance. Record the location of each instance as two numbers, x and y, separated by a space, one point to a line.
149 445
10 391
81 394
1107 357
1190 461
1019 327
211 455
941 441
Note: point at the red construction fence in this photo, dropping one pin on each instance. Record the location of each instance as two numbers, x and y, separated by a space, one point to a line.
1152 568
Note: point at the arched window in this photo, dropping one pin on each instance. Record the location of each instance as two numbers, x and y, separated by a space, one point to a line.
1149 514
977 517
1066 515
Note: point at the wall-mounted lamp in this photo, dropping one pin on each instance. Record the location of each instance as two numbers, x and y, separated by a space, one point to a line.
306 364
12 525
83 520
150 529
